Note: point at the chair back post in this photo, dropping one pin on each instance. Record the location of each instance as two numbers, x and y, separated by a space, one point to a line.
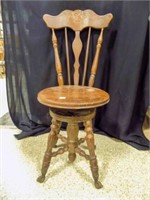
57 59
96 59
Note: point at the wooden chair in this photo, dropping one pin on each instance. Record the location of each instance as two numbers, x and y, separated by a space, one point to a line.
74 103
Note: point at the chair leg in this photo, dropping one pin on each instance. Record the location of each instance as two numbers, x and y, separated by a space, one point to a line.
55 139
72 141
52 139
91 148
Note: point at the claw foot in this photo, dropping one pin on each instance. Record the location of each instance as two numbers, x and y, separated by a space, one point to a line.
41 179
98 185
72 157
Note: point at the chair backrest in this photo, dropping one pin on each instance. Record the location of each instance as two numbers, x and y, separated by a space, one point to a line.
77 20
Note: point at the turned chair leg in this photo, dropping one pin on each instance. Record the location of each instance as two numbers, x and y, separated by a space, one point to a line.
72 140
55 137
52 140
91 148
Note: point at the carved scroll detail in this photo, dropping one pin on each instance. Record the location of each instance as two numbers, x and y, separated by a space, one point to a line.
77 16
57 59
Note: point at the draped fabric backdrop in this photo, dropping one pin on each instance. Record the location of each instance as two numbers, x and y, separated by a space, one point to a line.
123 66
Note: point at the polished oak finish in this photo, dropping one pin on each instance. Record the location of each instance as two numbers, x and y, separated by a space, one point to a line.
73 97
74 103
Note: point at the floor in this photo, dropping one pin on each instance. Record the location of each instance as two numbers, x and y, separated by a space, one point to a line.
3 97
124 171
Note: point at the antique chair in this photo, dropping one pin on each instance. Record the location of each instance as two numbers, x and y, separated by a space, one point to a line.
74 103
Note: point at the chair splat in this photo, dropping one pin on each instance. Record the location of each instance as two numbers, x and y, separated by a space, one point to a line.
77 47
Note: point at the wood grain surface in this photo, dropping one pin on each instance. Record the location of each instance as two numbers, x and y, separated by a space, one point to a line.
73 97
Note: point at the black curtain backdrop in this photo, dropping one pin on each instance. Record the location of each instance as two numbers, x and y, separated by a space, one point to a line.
123 66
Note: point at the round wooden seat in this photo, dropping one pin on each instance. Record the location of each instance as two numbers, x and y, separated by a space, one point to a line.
73 97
